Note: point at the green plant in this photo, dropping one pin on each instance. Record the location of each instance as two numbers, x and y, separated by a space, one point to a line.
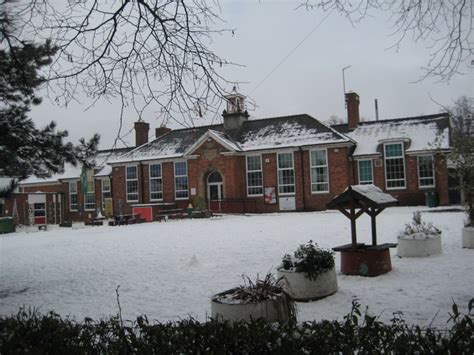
310 259
198 203
419 226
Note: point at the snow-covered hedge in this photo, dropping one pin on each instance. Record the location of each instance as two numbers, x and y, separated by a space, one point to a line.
30 331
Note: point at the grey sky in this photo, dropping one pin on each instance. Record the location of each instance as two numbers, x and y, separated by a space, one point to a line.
309 81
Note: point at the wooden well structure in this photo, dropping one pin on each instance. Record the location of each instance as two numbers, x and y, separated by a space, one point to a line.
359 258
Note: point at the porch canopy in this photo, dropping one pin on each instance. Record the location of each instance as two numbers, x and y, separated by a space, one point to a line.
356 200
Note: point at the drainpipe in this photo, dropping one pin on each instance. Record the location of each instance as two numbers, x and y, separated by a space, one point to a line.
302 177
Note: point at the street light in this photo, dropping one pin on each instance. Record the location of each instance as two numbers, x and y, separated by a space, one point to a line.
344 83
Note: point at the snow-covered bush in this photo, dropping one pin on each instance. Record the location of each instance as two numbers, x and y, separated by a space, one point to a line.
419 228
309 259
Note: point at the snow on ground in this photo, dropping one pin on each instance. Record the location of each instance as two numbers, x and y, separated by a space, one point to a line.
169 271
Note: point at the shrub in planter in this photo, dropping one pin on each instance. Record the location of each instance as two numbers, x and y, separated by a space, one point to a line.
419 238
264 299
309 273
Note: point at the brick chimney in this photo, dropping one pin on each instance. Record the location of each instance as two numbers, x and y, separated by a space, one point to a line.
162 130
141 132
352 104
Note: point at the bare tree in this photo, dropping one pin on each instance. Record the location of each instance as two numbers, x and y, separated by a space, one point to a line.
444 25
146 52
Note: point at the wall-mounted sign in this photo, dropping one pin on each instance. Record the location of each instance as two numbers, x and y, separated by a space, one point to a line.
270 196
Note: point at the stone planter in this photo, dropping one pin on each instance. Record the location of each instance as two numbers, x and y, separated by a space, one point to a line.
468 237
302 288
418 245
272 310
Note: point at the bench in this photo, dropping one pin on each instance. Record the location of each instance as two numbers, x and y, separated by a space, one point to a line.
174 213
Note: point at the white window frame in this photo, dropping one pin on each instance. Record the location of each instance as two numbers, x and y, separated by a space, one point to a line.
160 178
103 192
311 167
386 166
425 178
126 183
365 182
89 193
71 183
176 176
253 171
282 169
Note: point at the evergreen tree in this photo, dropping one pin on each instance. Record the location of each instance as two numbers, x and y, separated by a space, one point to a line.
24 149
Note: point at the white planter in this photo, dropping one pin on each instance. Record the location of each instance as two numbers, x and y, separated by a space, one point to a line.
468 237
418 245
272 310
301 288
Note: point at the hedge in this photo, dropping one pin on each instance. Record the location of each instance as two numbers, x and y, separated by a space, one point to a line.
31 331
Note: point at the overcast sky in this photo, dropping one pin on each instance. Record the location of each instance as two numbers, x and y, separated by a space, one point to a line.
308 81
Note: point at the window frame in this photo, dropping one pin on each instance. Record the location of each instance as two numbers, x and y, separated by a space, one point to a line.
365 182
311 167
283 169
127 193
247 171
71 193
402 156
160 178
103 192
89 194
179 176
431 157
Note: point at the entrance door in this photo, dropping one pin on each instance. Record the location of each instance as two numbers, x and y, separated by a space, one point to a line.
37 204
215 191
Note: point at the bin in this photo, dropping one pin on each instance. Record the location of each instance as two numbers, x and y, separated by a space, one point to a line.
6 225
431 199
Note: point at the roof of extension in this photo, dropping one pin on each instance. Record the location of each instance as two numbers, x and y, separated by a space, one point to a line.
423 133
263 134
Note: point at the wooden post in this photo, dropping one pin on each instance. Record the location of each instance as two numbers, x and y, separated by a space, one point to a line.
353 225
373 214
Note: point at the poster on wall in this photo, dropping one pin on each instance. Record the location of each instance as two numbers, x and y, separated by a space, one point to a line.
270 195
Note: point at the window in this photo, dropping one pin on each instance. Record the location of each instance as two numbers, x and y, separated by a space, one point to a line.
394 166
181 180
319 171
366 175
286 174
106 191
73 206
156 182
2 207
425 171
254 176
89 197
131 180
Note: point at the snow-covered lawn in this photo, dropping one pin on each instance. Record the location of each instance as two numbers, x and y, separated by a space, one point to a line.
170 270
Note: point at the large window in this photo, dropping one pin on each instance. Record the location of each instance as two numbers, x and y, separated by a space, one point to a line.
366 174
156 182
426 171
319 171
89 196
106 190
131 178
394 166
73 206
181 180
2 207
286 174
254 175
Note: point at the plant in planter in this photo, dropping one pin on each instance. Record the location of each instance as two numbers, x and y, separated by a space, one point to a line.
309 273
264 298
419 238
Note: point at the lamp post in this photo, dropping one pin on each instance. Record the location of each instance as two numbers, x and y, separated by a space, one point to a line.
344 83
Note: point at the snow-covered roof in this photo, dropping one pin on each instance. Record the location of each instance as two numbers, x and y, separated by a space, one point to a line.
374 193
423 133
270 133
